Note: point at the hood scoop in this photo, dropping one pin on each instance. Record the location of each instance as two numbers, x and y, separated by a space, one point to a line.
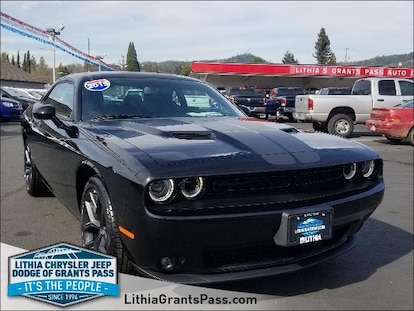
191 135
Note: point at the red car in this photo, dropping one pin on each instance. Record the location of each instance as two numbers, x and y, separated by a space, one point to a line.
395 123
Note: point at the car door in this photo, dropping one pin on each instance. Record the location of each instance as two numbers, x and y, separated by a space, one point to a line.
49 142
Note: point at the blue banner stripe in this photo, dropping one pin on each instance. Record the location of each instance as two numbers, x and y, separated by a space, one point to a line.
25 34
63 286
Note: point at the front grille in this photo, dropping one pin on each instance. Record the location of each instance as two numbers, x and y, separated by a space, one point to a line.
274 183
269 191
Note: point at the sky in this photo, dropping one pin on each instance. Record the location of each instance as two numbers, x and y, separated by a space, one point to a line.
209 30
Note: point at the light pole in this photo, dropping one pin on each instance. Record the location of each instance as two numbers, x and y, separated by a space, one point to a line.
99 58
54 32
346 56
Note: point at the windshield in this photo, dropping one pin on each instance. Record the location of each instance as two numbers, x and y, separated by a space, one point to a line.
151 98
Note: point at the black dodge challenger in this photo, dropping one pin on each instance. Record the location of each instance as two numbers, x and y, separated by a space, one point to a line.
178 183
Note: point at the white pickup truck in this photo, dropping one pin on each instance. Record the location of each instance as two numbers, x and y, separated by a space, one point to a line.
337 114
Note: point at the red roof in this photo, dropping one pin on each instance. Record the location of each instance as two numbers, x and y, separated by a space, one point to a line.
300 70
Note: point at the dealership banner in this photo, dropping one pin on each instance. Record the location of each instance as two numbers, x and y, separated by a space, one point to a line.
65 276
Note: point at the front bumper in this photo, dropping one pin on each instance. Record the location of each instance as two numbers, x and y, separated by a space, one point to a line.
391 129
227 247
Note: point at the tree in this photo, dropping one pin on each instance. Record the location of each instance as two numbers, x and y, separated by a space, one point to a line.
183 69
5 57
289 58
323 54
132 63
13 62
18 60
258 60
28 62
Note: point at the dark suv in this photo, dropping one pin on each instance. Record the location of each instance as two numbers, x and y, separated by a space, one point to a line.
282 101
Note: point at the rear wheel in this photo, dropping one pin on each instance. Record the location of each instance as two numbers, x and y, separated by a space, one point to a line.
411 137
35 185
99 229
319 126
393 140
341 125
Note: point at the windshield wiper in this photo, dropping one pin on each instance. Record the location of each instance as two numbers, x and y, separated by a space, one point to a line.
118 116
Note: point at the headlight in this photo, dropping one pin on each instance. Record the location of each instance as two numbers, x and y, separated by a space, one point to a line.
368 168
7 104
350 170
193 187
162 191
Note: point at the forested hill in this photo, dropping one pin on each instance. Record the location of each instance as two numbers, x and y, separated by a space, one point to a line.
406 60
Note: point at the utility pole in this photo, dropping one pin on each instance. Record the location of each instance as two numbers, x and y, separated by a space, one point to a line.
54 32
346 56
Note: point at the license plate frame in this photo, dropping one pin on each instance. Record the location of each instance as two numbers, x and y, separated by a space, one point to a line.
305 226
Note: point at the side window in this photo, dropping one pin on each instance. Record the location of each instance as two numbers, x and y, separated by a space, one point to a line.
362 87
407 88
386 87
62 98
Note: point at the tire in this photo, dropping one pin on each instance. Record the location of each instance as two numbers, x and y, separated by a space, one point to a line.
290 117
410 137
99 230
341 125
35 186
321 127
393 140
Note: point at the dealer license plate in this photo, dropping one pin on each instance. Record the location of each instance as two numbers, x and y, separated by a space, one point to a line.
310 227
304 227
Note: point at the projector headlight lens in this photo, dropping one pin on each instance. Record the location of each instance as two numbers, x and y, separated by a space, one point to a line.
368 168
350 170
162 191
193 187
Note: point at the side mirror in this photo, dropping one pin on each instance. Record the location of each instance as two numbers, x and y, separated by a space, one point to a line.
48 112
44 112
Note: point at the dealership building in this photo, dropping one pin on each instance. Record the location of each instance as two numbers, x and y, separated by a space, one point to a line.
310 77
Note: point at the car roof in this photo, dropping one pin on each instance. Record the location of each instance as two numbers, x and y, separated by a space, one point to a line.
81 76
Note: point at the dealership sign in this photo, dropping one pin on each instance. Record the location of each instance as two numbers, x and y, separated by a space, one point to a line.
62 275
300 70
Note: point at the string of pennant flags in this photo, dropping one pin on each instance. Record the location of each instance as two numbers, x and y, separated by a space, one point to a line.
16 26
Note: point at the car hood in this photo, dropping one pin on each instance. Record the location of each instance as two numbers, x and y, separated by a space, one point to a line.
247 140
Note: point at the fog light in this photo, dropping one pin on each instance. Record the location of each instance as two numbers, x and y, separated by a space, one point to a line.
168 263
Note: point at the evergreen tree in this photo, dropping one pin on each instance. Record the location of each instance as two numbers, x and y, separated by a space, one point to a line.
258 60
33 64
332 59
13 62
28 61
24 64
183 69
323 48
132 63
5 57
289 58
18 59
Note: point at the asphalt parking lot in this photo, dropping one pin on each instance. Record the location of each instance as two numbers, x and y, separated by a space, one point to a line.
376 275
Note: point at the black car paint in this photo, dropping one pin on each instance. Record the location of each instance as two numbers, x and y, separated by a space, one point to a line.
128 154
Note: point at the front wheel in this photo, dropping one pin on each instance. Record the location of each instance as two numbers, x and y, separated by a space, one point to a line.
341 125
99 229
35 186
